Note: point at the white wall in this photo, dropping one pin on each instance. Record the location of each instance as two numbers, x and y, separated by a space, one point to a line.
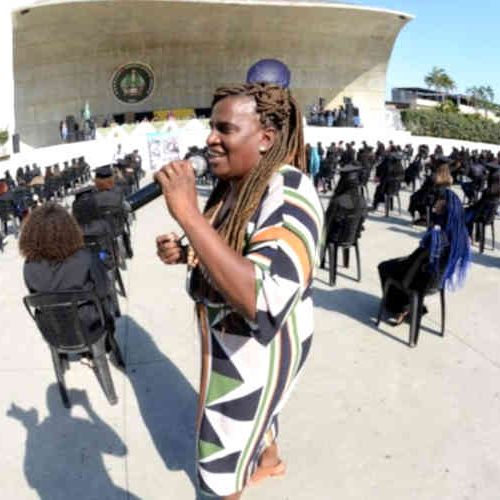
100 152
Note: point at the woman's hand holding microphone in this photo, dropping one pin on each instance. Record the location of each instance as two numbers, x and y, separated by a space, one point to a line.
177 180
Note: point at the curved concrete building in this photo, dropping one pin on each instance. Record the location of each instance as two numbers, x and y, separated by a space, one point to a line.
65 53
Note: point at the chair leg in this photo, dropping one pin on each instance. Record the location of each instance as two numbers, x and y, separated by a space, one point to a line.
381 308
493 235
416 302
443 312
119 280
345 256
358 260
333 253
102 370
59 369
323 256
399 203
387 205
127 243
115 351
482 231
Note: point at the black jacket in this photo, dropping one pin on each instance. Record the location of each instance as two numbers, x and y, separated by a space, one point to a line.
81 272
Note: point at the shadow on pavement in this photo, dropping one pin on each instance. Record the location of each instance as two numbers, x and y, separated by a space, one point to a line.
168 405
362 307
391 219
64 454
355 304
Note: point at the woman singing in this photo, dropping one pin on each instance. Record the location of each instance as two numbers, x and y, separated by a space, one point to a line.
254 248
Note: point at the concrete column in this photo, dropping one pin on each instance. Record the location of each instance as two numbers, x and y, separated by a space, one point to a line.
7 108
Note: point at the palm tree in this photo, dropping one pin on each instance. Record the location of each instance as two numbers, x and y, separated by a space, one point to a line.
439 80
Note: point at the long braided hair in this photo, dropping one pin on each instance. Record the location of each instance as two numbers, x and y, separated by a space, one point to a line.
277 109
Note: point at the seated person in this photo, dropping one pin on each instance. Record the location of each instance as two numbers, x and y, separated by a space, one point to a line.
446 248
56 260
112 204
390 173
490 198
413 171
477 174
346 200
122 182
432 188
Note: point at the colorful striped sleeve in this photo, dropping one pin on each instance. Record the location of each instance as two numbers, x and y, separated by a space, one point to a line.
283 246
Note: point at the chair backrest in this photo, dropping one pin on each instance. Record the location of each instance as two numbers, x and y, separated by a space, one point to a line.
392 187
6 209
346 230
116 217
57 317
487 213
102 242
421 278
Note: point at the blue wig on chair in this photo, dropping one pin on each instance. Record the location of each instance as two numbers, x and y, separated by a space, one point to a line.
455 233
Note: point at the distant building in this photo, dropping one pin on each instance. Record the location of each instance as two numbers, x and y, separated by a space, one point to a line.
422 98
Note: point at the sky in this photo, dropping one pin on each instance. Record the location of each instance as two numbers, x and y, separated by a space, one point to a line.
461 36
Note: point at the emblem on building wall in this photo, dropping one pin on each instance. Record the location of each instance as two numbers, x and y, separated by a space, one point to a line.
133 82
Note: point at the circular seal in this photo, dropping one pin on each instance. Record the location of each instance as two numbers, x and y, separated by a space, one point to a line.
133 82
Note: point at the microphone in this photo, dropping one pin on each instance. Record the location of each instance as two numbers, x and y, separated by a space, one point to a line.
153 190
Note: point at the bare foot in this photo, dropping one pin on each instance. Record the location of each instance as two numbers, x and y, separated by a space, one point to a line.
270 465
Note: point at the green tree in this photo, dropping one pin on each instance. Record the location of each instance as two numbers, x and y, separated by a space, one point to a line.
4 136
439 80
482 97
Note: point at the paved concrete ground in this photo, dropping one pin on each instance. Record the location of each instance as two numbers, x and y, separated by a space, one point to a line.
371 419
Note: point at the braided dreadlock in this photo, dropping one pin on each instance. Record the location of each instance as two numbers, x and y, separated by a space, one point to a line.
278 109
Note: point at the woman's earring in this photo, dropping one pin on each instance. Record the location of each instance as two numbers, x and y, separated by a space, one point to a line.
262 149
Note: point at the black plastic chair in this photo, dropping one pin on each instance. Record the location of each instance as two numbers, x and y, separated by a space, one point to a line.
482 221
431 286
345 236
105 242
392 191
57 316
118 221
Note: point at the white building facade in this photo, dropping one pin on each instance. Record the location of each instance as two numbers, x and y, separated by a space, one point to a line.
56 55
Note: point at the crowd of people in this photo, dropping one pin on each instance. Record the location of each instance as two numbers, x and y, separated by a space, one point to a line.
341 116
82 248
445 246
251 252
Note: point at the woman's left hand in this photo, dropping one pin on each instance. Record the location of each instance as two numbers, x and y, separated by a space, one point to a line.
177 181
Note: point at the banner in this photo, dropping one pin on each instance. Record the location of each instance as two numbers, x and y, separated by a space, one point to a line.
178 114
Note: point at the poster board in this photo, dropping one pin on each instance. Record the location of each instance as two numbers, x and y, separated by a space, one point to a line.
163 147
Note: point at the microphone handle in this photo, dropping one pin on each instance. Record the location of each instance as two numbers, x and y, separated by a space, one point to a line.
144 195
153 190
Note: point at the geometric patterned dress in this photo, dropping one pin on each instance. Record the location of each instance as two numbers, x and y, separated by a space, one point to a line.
249 368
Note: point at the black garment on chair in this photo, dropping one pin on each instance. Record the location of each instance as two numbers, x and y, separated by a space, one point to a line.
112 206
343 225
483 215
390 173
